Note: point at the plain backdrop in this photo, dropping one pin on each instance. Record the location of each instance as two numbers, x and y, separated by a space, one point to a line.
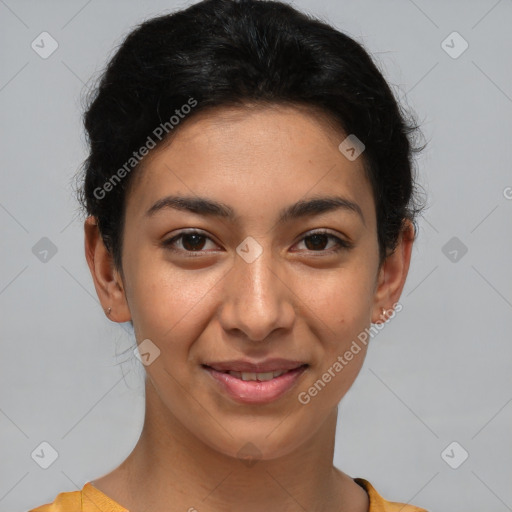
438 373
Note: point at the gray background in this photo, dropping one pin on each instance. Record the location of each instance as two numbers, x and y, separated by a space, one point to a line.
439 372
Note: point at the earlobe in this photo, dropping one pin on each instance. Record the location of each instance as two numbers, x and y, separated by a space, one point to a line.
393 273
107 281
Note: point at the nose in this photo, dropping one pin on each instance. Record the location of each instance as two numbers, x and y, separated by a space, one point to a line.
258 299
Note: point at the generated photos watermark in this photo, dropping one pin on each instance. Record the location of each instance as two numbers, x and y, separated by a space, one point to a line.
158 133
304 397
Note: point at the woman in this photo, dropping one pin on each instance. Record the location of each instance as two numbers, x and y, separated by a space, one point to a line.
251 204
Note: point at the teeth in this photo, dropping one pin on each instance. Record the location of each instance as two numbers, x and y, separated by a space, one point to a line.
257 376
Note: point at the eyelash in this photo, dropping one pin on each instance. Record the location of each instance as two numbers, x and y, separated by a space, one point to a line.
340 244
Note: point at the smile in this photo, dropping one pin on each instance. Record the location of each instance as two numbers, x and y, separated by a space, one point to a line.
257 376
251 387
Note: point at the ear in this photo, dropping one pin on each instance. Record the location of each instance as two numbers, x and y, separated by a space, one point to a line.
392 275
107 281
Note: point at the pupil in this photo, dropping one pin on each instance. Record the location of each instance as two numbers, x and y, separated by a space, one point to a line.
193 246
316 239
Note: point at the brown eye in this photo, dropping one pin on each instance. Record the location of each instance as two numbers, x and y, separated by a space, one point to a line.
317 242
192 241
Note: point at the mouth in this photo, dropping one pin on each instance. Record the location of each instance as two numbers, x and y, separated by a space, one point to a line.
261 377
256 383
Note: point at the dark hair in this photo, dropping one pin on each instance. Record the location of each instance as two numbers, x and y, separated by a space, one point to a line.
230 53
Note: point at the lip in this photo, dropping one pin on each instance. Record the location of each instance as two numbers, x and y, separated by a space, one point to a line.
243 365
254 391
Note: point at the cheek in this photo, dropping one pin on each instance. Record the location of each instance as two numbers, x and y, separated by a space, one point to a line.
341 299
172 306
342 303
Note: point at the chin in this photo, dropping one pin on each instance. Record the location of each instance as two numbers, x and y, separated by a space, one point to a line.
254 438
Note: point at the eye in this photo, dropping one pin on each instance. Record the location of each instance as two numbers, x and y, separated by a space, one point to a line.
194 242
315 242
191 241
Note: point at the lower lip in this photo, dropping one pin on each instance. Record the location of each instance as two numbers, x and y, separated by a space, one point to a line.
253 391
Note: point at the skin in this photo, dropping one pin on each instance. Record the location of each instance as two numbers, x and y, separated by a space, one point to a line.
297 300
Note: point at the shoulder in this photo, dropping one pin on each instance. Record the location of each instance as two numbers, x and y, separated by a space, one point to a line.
89 499
379 504
64 502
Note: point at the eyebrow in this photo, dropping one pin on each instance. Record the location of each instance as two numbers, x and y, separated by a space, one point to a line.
208 207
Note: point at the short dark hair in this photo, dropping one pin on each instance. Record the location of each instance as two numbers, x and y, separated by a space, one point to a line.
231 53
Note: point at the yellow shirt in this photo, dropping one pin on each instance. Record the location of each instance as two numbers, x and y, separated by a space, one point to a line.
90 499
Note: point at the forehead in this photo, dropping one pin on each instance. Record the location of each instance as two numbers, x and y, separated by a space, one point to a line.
255 157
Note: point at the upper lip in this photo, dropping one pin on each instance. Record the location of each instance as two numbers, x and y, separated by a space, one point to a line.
268 365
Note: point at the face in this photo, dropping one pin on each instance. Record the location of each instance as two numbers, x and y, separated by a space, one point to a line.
233 284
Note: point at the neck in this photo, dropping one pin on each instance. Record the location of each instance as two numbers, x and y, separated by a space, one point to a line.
170 465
